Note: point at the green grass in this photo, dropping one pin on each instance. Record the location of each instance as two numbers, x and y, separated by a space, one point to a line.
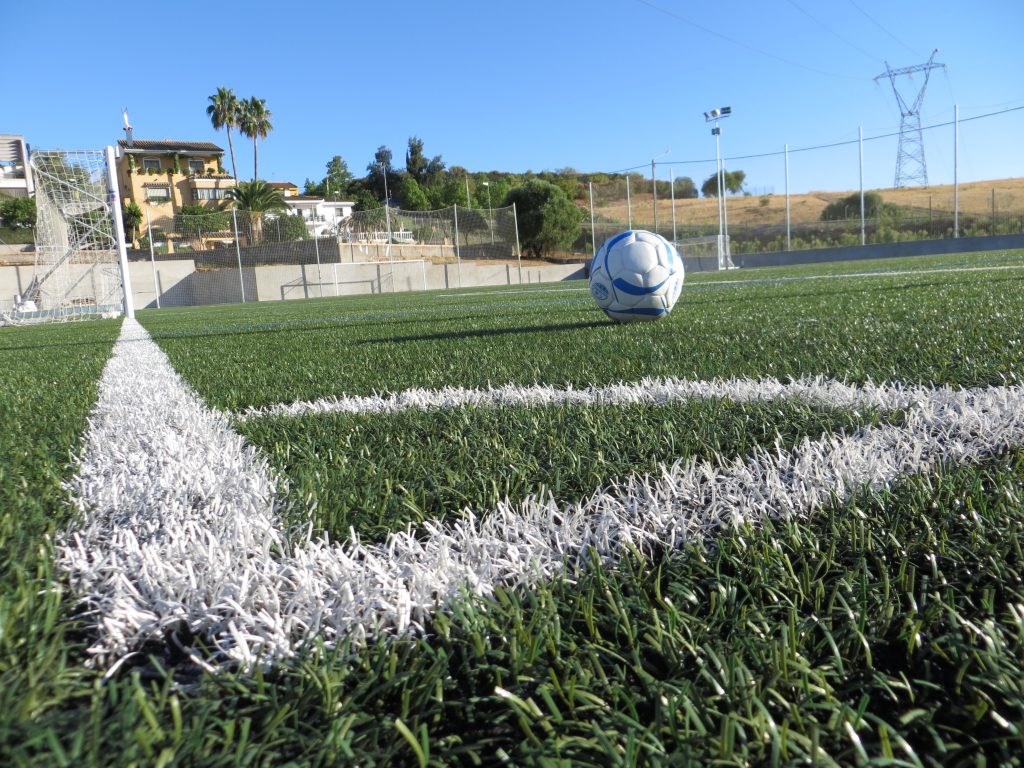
380 473
888 630
47 387
943 328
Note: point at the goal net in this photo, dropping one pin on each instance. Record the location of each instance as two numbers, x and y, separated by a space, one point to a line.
704 254
77 269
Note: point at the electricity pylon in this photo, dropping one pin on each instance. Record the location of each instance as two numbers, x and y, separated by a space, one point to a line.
910 164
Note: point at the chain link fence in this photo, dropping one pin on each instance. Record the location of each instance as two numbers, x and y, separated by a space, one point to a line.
241 256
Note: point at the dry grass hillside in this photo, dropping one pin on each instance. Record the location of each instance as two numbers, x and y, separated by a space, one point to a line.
975 198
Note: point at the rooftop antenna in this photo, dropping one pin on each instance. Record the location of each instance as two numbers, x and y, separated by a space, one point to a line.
910 164
127 127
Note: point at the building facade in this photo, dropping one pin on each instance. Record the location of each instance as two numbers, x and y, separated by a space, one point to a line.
15 173
163 176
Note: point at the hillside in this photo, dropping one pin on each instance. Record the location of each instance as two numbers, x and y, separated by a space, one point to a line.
975 198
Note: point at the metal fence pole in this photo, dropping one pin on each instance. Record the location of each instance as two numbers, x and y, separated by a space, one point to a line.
316 248
789 242
238 252
629 204
458 255
860 146
956 167
593 229
672 192
519 253
152 259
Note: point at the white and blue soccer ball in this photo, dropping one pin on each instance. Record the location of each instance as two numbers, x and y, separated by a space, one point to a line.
636 275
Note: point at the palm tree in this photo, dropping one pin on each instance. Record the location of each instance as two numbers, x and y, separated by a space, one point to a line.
131 215
257 197
254 122
223 112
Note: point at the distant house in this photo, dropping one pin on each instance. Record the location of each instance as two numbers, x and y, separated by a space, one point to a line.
286 187
322 217
163 176
15 174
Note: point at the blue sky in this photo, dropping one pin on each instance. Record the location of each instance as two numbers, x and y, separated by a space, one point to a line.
532 85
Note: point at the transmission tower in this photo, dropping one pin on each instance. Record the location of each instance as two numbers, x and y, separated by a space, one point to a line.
910 164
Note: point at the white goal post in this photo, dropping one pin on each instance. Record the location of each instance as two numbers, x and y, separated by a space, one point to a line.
81 262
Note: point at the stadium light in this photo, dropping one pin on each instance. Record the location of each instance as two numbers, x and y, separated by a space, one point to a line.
723 217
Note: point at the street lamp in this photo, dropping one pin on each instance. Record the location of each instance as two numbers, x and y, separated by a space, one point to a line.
490 212
723 222
654 186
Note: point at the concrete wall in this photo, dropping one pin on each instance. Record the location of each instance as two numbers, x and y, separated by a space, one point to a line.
182 285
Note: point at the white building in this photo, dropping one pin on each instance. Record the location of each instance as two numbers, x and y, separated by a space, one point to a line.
15 174
322 217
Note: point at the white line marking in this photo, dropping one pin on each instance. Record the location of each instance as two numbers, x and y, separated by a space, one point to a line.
658 391
179 522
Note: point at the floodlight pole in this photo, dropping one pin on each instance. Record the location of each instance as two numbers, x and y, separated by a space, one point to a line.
723 220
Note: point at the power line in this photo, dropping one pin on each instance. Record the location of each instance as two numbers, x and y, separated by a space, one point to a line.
740 43
831 31
890 34
825 146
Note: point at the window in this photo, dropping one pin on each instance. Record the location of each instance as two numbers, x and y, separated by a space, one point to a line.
158 194
151 163
210 194
196 166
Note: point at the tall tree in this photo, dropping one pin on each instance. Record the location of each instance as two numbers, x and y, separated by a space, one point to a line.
224 111
254 122
415 160
416 163
338 178
548 219
131 217
379 172
733 183
257 197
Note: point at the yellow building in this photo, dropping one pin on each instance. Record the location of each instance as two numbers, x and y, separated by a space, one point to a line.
162 176
285 187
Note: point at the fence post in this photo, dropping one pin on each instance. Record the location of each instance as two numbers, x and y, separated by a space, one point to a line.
860 146
316 248
672 192
629 203
593 229
956 167
458 255
238 252
152 258
789 242
519 253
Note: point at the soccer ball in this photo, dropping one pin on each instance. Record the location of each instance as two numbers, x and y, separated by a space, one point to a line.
636 275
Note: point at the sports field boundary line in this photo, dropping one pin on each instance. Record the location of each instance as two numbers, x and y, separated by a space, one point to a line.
179 525
650 391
